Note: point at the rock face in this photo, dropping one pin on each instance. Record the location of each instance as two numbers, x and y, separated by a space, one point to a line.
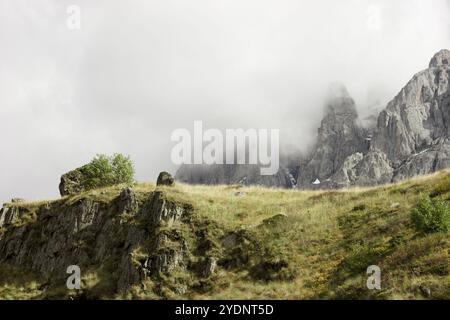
9 215
339 137
233 174
442 58
413 130
71 182
410 137
418 117
136 240
165 179
154 246
132 242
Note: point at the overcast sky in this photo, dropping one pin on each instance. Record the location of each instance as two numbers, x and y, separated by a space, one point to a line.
137 70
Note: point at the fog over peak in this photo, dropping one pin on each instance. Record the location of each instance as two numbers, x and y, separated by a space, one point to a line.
137 70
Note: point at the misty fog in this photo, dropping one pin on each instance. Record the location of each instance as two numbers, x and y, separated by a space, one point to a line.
137 70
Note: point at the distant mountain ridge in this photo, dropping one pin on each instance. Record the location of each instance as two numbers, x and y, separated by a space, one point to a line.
410 138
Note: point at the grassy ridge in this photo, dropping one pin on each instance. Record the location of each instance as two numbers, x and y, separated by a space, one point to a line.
290 244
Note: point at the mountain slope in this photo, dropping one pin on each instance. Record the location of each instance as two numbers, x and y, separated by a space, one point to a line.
230 242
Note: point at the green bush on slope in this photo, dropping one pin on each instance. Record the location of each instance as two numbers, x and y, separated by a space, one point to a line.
431 215
105 171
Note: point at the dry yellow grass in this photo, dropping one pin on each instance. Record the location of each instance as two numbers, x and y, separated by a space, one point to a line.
327 237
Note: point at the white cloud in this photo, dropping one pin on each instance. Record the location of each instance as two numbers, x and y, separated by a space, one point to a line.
136 70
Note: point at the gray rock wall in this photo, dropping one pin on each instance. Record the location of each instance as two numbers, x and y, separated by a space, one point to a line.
133 240
410 138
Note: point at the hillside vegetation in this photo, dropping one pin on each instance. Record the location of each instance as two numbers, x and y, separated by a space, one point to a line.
270 244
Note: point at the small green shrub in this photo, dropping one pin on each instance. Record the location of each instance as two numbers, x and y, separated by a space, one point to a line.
362 256
431 215
105 171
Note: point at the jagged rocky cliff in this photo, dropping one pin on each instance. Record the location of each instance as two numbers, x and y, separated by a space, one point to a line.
413 131
411 137
129 239
339 136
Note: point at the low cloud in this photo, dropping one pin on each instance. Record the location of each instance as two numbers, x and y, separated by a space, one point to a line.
137 70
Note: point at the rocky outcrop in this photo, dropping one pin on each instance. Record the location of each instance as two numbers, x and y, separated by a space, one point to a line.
413 131
442 58
71 182
362 170
154 246
145 240
374 168
348 173
165 179
134 239
411 137
432 159
8 215
339 137
419 116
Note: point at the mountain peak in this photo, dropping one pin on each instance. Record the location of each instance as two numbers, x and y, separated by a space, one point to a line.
339 100
337 90
441 58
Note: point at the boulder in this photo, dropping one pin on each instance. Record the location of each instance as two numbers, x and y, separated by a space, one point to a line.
165 179
71 182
